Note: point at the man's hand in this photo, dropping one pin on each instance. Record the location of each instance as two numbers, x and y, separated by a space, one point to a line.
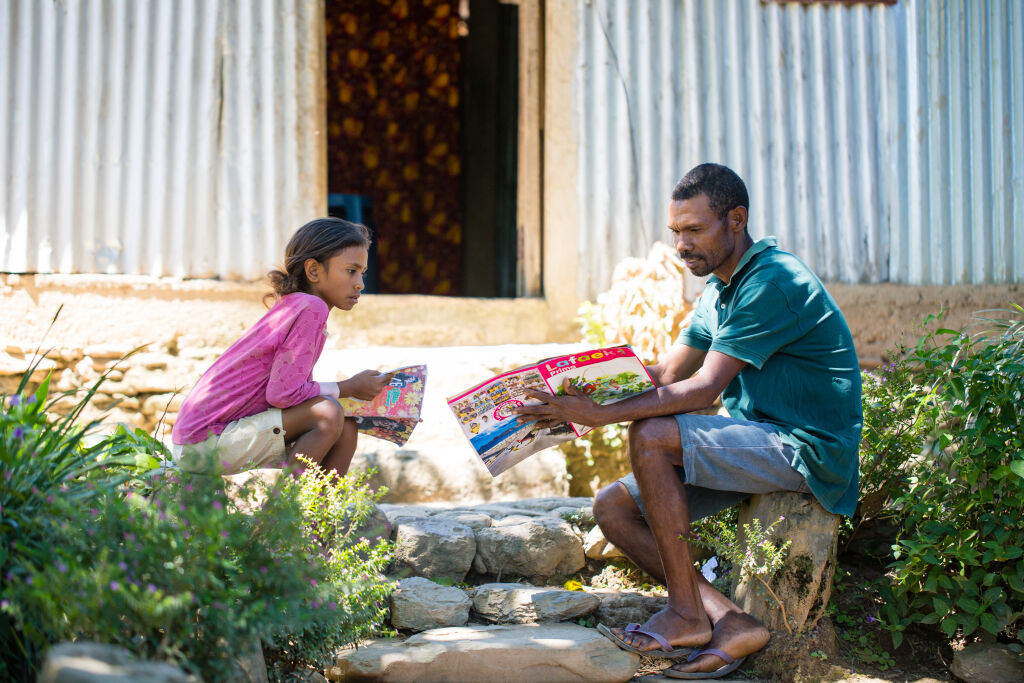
365 385
575 406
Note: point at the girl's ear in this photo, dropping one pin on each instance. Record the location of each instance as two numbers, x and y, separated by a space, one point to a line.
313 269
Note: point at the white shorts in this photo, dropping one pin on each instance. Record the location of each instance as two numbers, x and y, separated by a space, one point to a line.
251 442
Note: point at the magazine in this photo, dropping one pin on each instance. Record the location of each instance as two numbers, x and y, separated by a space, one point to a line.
395 411
485 411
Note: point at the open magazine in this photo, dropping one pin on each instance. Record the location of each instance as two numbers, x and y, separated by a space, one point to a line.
485 411
395 411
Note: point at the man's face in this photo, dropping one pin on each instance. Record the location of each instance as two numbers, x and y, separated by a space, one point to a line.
702 239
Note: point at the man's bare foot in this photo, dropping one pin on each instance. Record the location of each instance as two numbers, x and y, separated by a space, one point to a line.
678 629
737 634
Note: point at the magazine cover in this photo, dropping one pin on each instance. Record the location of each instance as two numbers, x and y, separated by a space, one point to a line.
485 411
395 411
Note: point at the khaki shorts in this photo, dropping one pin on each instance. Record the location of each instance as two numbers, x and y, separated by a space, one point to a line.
254 441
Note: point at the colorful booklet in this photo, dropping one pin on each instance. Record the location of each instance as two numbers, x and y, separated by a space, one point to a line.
395 411
501 440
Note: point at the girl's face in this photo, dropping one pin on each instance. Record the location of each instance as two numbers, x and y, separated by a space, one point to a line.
339 281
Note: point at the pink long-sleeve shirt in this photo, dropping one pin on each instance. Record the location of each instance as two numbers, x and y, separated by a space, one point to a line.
271 365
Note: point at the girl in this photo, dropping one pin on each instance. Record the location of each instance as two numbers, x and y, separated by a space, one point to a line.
256 406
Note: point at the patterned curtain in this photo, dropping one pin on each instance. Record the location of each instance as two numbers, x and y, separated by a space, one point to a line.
393 133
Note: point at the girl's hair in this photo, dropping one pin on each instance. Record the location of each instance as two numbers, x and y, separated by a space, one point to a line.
319 239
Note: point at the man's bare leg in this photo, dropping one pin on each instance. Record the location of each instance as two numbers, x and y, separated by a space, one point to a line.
734 631
654 453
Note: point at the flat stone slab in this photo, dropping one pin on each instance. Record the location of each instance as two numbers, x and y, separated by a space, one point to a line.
516 603
542 653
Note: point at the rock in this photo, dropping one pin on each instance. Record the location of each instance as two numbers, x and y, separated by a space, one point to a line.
535 547
515 603
85 662
158 404
106 351
539 653
419 604
988 663
619 608
375 526
435 548
805 581
397 514
597 547
248 490
474 520
249 665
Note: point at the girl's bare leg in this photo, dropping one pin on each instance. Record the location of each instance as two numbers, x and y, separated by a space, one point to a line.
340 456
312 428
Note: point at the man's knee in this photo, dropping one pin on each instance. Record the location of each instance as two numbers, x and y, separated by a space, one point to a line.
613 503
653 438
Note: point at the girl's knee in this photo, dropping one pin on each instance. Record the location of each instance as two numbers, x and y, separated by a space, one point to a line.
329 416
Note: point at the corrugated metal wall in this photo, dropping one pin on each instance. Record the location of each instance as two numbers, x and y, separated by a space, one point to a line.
879 143
162 138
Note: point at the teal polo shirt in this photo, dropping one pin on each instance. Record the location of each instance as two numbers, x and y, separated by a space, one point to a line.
802 374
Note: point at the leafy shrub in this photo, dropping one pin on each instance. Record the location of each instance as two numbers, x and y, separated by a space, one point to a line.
172 567
44 460
895 427
958 562
755 555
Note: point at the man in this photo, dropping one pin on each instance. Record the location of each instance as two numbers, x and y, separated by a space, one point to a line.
769 339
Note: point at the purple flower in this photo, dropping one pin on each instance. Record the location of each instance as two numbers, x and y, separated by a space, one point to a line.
114 585
18 431
870 619
30 400
151 588
217 505
61 567
263 570
15 400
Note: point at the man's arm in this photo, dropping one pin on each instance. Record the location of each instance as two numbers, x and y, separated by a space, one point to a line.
683 396
679 363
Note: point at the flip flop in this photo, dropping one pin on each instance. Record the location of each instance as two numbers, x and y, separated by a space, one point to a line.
667 650
730 666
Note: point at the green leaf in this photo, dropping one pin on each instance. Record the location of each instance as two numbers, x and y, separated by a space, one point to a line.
1018 468
948 626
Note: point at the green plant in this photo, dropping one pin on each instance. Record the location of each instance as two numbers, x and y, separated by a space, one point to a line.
757 555
45 459
895 427
183 574
93 544
959 561
852 609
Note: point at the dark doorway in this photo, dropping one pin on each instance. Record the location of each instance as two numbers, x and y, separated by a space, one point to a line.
490 110
422 112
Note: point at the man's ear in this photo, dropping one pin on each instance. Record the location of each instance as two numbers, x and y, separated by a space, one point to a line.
737 218
312 268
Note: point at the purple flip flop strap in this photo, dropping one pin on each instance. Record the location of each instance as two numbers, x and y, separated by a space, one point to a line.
710 651
659 639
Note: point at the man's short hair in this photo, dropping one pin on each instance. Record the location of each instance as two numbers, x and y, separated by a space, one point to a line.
725 190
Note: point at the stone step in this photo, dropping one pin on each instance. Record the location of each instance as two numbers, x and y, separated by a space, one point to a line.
494 653
539 537
537 541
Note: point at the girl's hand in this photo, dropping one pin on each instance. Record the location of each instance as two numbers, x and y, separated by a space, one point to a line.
365 385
